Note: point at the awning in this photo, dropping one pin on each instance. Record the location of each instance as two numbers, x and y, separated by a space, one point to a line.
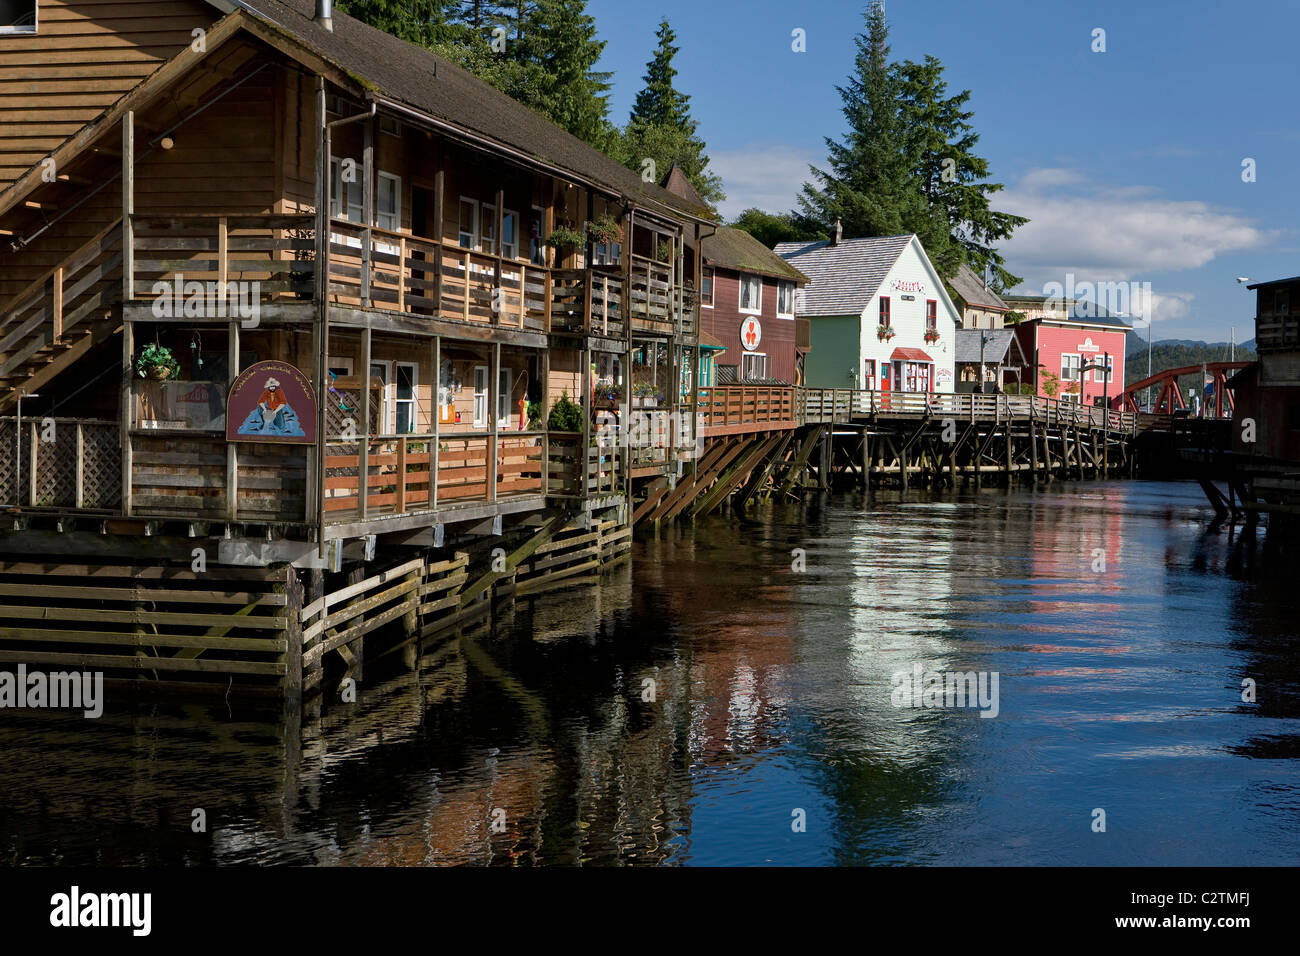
910 355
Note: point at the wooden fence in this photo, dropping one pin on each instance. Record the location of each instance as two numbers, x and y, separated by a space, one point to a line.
830 405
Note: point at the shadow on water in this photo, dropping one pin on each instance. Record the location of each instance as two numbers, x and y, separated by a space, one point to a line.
727 700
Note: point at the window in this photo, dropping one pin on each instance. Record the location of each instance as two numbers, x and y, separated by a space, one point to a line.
1108 373
345 197
404 397
17 16
931 314
884 310
468 235
487 229
1070 368
536 241
480 396
869 374
751 294
785 299
390 125
388 202
504 381
753 365
379 370
706 288
510 235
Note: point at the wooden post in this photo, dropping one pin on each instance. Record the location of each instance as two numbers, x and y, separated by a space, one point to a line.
465 264
368 210
34 447
1006 434
401 274
293 591
363 429
81 468
494 401
401 475
439 187
499 250
435 422
232 449
583 455
128 294
866 460
57 306
1033 449
320 293
546 403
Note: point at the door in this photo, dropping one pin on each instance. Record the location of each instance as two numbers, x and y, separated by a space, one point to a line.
886 383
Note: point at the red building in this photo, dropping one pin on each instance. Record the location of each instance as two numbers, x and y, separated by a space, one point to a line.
1059 349
747 303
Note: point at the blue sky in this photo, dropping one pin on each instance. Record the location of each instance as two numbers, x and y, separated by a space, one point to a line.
1129 162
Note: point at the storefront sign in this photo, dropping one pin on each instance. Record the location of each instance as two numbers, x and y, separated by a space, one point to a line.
751 333
271 402
908 285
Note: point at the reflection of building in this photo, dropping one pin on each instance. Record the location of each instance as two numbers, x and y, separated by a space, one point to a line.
880 316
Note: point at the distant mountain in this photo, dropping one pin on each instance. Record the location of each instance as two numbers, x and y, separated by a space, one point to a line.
1136 342
1179 353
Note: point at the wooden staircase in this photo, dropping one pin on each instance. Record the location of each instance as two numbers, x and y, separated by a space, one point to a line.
57 319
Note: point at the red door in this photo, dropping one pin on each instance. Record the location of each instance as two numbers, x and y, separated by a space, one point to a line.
885 384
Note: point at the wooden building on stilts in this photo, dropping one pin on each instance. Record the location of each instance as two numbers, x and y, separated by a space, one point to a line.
306 333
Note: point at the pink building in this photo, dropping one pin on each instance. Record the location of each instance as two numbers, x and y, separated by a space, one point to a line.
1059 349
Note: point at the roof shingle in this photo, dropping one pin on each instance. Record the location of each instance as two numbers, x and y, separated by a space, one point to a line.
843 278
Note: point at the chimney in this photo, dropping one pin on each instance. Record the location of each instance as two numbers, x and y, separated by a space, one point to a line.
839 233
325 14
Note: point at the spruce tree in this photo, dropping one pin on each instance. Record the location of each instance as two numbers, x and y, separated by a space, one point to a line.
558 53
660 128
429 23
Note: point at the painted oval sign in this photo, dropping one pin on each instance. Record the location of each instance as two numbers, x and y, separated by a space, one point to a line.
751 333
271 402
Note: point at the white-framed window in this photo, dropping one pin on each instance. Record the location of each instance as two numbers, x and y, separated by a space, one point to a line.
753 365
1070 398
345 197
785 300
487 229
751 294
405 393
504 380
388 202
17 16
1070 367
607 253
510 234
1108 373
480 396
706 287
468 235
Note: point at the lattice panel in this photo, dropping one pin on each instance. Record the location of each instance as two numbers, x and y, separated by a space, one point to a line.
55 467
102 468
7 467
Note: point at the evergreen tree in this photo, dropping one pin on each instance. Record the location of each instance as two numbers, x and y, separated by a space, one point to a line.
429 23
558 53
659 102
771 228
940 141
661 129
906 163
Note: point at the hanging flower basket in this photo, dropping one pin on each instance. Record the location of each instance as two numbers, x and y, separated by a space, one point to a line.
932 335
884 333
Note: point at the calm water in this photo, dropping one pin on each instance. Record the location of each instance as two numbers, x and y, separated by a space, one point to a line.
1120 689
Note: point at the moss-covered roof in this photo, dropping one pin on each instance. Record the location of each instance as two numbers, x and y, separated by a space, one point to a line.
736 249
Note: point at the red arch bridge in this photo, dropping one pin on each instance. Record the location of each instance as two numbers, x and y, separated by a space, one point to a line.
1169 397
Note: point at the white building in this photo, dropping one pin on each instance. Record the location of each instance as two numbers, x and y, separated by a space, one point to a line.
879 314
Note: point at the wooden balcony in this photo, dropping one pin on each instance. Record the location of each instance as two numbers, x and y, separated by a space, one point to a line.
735 409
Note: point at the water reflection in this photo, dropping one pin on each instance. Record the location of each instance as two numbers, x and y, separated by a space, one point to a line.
1122 634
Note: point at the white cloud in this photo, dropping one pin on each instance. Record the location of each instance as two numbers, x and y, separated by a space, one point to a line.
1102 233
766 175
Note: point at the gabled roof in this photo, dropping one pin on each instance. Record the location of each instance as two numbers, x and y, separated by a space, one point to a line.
677 183
735 249
997 344
411 75
845 276
971 289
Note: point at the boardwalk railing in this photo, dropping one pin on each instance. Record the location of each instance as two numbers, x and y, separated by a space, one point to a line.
723 408
832 405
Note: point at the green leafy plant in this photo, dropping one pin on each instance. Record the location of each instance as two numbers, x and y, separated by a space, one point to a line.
604 230
566 416
562 237
664 252
157 361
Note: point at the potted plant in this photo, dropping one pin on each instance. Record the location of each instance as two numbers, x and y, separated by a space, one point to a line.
566 416
562 237
665 251
157 362
604 231
884 333
932 335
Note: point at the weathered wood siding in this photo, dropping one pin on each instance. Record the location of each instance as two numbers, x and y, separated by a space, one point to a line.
86 54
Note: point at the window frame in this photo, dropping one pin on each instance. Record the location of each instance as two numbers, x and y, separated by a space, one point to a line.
932 315
485 395
884 312
758 283
24 29
505 383
340 206
413 401
784 288
460 225
708 280
509 215
396 214
1107 375
386 405
748 358
1077 364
